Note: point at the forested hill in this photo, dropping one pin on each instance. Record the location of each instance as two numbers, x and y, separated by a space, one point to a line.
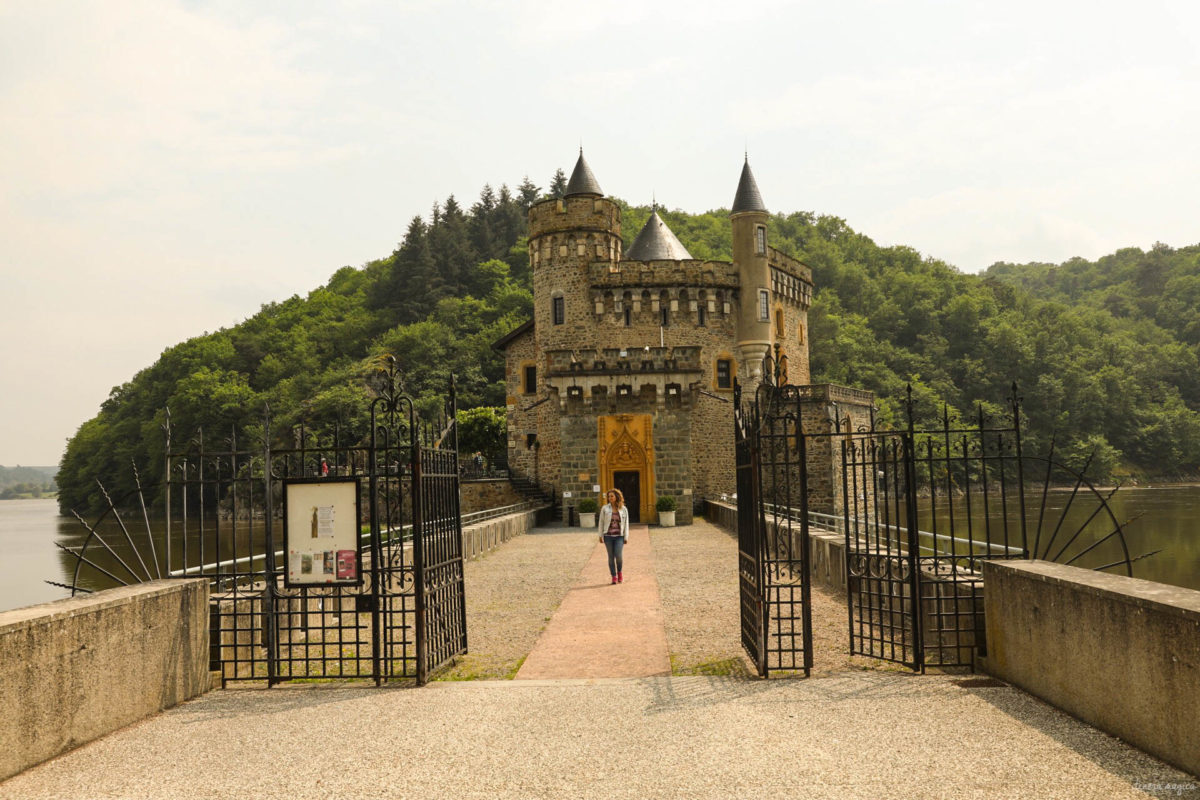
1106 354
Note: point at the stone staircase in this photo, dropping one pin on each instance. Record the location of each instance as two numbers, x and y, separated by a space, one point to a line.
531 491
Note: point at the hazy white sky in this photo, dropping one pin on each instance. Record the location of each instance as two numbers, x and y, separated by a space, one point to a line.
167 167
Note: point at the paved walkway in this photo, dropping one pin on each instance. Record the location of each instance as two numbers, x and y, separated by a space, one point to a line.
850 733
602 630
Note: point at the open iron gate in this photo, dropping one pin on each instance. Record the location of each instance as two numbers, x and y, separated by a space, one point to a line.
222 506
919 510
773 549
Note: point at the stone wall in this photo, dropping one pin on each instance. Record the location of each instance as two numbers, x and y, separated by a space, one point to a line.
482 495
1122 654
74 670
522 418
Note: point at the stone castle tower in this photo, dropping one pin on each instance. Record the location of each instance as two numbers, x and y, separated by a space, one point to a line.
624 376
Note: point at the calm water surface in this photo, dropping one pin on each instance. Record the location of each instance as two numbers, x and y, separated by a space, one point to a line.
1169 519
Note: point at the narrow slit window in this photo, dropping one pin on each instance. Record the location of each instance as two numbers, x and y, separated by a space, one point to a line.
665 318
560 311
764 305
760 240
628 317
529 382
700 315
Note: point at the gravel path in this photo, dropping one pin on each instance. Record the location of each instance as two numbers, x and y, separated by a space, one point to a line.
698 578
849 733
514 590
854 735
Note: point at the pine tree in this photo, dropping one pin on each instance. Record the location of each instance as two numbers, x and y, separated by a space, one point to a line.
529 193
558 186
453 253
482 226
415 282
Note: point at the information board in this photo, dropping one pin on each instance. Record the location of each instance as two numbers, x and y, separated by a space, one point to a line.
321 527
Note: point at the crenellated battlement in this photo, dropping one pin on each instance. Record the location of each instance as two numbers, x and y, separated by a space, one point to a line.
661 274
574 214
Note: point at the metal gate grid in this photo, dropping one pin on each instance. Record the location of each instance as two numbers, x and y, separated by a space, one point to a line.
773 550
403 621
750 524
914 581
442 621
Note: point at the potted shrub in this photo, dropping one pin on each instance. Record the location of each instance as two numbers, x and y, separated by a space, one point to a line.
666 510
587 512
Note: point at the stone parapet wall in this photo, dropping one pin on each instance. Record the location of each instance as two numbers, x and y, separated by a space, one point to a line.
74 670
827 549
1122 654
491 533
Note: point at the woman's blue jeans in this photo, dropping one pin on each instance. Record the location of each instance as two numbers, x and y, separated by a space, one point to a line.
615 545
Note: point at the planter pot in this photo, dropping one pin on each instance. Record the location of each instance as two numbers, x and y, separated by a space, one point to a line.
666 519
587 519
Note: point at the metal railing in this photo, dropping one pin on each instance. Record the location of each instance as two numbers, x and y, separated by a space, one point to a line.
837 524
389 535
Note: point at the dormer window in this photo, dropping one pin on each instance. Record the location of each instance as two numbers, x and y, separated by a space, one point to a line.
760 240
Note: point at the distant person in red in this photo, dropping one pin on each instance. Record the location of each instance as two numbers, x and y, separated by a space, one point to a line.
324 469
614 532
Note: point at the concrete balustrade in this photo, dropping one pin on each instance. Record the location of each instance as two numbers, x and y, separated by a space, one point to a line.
74 670
1120 653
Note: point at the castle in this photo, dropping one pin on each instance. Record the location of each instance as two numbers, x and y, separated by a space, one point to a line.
624 376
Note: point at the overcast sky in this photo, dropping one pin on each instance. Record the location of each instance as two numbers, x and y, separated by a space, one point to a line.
167 167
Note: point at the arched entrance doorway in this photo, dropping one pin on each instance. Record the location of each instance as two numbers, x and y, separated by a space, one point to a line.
627 461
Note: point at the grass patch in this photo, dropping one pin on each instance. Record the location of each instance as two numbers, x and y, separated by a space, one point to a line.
729 667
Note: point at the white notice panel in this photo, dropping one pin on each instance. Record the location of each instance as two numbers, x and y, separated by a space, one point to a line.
320 518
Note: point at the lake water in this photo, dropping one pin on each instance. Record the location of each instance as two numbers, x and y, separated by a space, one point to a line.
1169 519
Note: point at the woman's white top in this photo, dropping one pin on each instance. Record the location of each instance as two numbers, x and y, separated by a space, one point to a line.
606 514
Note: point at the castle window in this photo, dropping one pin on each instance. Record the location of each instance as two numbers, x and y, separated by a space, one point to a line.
779 322
529 379
560 310
665 317
628 317
700 316
724 373
530 440
764 305
800 332
760 240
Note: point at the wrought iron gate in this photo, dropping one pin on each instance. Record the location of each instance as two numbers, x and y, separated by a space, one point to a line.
773 548
222 507
919 511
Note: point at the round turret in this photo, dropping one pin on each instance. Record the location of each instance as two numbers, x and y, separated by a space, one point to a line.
566 235
749 217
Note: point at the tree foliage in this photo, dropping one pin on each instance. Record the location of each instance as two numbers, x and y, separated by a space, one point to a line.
1106 353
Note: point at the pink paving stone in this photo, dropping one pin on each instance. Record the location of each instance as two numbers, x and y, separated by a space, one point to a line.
606 631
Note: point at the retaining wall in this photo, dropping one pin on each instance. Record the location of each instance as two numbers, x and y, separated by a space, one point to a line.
1119 653
485 493
74 670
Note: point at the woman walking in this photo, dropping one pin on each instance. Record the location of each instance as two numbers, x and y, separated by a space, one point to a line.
614 527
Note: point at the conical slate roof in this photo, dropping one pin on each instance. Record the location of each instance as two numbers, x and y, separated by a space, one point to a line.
582 182
747 197
655 242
